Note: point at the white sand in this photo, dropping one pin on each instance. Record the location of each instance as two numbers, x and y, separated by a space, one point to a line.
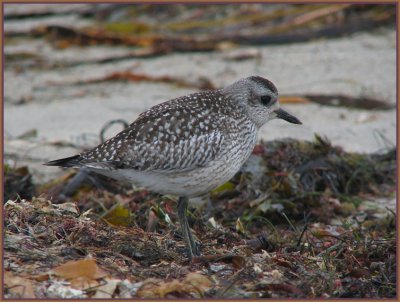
363 64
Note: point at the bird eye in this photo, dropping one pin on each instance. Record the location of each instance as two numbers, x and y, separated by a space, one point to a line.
266 100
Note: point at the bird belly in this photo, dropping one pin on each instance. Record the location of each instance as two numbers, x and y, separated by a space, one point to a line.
196 181
193 182
180 183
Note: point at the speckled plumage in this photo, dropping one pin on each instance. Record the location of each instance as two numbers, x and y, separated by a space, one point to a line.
189 145
181 134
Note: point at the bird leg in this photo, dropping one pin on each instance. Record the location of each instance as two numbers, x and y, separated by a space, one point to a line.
191 245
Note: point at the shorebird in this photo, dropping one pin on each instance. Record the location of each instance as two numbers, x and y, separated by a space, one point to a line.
187 146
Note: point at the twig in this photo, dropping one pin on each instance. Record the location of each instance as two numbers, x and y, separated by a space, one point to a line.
301 235
109 124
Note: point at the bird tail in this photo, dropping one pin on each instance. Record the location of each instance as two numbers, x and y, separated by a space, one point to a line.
67 162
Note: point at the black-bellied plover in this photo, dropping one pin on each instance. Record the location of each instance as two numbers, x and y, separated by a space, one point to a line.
187 146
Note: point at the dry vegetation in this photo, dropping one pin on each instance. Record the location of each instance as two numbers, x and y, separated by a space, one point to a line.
303 227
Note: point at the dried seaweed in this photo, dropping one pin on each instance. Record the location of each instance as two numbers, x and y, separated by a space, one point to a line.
339 100
331 262
318 166
260 259
256 25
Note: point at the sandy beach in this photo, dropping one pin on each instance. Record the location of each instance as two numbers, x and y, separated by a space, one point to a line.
41 100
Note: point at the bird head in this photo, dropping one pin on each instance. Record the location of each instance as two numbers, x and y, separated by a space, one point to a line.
259 99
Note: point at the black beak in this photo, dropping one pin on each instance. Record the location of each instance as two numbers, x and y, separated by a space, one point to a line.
280 113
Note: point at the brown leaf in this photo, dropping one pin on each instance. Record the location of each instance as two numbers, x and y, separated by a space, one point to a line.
41 277
18 286
328 230
198 282
81 273
194 284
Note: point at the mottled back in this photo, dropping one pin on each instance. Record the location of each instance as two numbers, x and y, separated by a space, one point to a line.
178 134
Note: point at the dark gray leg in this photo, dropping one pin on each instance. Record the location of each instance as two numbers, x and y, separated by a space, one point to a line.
191 246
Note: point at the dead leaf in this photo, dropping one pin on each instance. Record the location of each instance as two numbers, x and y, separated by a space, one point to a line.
329 230
194 284
198 282
41 277
19 287
81 273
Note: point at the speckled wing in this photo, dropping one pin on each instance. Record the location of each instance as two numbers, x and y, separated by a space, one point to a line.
175 135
